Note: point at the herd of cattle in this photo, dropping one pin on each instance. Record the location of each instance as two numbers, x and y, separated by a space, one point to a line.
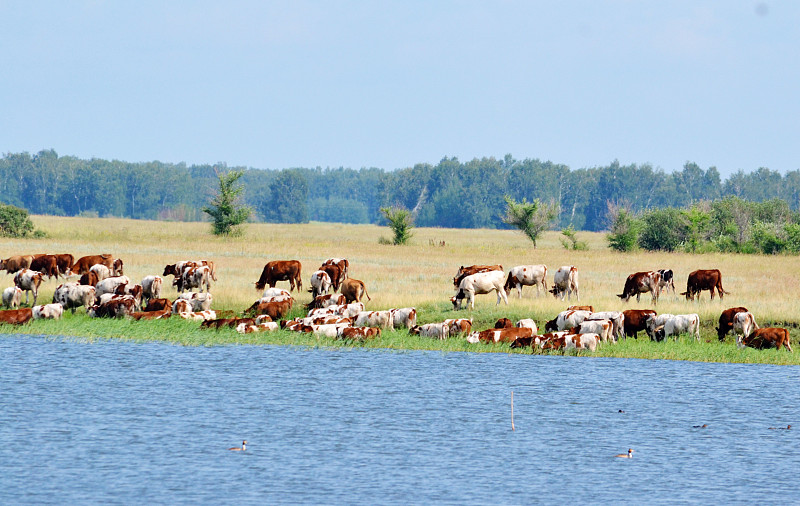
104 290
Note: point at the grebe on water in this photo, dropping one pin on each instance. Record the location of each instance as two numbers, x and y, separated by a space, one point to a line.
628 455
237 449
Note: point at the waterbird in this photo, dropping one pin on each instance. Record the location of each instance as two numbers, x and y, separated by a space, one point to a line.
705 425
788 427
237 449
628 455
620 411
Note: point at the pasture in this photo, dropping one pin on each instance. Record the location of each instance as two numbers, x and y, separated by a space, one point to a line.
418 275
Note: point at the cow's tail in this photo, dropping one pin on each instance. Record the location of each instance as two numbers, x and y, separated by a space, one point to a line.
365 291
213 271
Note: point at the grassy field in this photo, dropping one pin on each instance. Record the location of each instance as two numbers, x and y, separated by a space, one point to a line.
418 275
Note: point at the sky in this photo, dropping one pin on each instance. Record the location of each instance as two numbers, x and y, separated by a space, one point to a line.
390 84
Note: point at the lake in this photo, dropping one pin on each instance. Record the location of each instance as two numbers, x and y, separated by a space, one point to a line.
119 422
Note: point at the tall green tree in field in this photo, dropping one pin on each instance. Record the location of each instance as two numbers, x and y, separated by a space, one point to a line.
400 221
226 208
531 218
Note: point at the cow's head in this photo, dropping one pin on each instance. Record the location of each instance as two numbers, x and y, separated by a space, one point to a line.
551 325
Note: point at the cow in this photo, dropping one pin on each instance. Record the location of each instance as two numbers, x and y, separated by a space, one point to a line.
581 308
90 278
258 327
74 296
275 292
381 319
571 341
12 297
635 320
47 311
768 337
226 322
196 277
617 319
335 275
29 280
117 268
322 301
439 331
655 322
64 263
119 306
83 264
678 324
151 288
275 310
459 325
527 323
178 268
100 271
527 275
281 270
198 316
328 329
667 280
181 306
726 321
198 301
745 323
359 333
499 335
404 317
603 328
565 281
503 323
567 320
134 291
320 283
639 283
109 285
344 267
704 279
157 305
353 290
478 284
463 272
16 316
46 264
16 263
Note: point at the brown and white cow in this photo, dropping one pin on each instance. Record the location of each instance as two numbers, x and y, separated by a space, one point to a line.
636 321
320 283
335 274
527 275
359 333
499 335
768 337
744 323
198 301
433 330
322 301
639 283
383 319
480 284
151 288
459 325
571 341
704 279
73 296
343 264
463 272
196 277
109 285
565 281
100 271
354 289
258 327
726 321
405 317
275 310
29 280
12 297
47 311
567 320
667 280
281 270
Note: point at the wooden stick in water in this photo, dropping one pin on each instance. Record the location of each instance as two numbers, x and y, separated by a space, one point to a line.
512 410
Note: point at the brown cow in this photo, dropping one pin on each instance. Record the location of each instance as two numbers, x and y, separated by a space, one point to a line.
342 263
335 273
83 264
16 263
504 323
90 278
704 279
281 270
16 316
46 264
768 337
639 283
64 262
359 333
463 272
726 321
158 305
152 315
500 335
354 289
275 310
636 320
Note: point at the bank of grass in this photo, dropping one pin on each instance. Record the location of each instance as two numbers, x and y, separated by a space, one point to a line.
418 275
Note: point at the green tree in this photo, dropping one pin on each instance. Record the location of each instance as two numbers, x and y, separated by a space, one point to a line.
570 239
225 208
531 218
400 221
624 233
15 222
662 229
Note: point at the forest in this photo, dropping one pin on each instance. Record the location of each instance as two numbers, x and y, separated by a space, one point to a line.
450 193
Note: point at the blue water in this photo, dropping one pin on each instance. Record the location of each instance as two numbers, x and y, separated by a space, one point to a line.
129 423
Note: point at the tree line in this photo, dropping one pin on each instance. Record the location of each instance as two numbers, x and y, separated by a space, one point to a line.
450 193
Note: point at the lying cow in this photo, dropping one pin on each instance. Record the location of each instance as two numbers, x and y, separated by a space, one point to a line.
458 326
359 333
258 327
16 316
499 335
47 311
768 337
434 330
381 319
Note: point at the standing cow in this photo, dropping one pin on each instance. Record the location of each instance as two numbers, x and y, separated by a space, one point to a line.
527 275
639 283
704 279
479 284
281 270
565 281
29 280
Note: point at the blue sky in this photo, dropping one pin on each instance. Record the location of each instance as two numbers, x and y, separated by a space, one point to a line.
390 84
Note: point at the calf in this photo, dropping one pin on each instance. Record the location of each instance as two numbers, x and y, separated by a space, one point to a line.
12 297
404 318
381 319
667 280
435 330
47 311
16 316
572 341
602 328
768 337
226 322
617 319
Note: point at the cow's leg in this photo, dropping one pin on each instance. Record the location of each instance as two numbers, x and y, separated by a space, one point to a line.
638 294
519 291
502 292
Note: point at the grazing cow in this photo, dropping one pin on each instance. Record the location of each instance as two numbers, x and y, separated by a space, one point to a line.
353 290
636 321
83 264
29 280
46 264
479 284
499 335
47 311
565 281
527 275
109 285
198 301
602 328
151 288
381 319
322 301
617 319
567 320
12 297
281 270
726 321
16 316
335 275
667 280
434 330
768 337
639 283
677 325
459 325
463 272
527 323
196 277
16 263
699 280
100 271
275 310
157 305
342 263
73 296
64 263
320 283
503 323
744 323
117 268
404 317
258 327
152 315
359 333
90 278
656 322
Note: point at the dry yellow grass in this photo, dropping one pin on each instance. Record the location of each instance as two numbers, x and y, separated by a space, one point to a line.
415 275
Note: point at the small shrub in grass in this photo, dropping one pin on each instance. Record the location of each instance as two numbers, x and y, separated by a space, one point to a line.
15 222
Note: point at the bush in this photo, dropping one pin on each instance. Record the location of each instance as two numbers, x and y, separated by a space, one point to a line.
570 240
792 231
766 239
15 222
624 234
663 229
401 222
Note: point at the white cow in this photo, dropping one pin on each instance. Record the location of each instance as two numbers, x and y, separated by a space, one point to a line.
656 321
404 318
679 324
110 285
29 281
12 297
527 323
745 323
73 295
198 316
198 301
101 270
151 288
569 319
588 341
617 319
565 281
48 311
527 275
603 328
479 284
434 330
381 319
320 283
